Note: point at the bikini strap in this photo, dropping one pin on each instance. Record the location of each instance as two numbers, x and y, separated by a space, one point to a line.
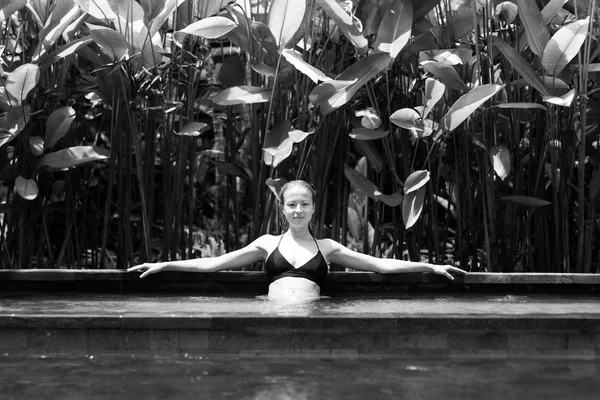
280 238
317 243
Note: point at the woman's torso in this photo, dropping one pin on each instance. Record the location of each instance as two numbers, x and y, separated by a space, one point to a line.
295 267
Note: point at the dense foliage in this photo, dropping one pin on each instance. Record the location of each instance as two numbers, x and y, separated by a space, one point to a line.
458 131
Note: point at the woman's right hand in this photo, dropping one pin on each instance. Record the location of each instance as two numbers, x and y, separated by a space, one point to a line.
148 268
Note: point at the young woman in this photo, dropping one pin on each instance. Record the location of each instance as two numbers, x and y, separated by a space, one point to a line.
296 262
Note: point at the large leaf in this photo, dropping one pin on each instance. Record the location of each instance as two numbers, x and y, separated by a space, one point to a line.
243 95
64 51
367 134
412 205
445 73
11 8
407 118
551 9
99 9
36 144
58 124
370 118
295 58
114 45
274 155
333 94
285 17
521 65
275 185
522 106
12 123
156 13
345 23
461 23
27 188
526 201
467 104
209 28
73 157
459 55
564 45
360 182
434 90
193 129
22 80
500 157
564 101
232 72
394 31
536 31
63 14
416 181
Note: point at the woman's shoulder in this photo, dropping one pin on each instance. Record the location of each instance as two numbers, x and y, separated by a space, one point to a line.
267 242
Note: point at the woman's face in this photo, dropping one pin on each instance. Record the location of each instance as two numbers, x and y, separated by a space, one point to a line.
298 206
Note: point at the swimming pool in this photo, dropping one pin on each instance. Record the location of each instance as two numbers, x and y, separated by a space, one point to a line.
296 378
429 346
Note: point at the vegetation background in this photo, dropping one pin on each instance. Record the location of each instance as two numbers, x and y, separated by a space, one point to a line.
459 131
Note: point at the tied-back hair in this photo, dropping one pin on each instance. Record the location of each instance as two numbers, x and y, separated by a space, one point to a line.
304 185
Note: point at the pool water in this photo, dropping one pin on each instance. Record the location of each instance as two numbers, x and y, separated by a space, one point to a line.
296 378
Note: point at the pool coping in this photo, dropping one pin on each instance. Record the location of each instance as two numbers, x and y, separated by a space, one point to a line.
257 282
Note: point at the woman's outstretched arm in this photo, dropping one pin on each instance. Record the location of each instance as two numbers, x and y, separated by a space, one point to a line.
342 255
236 259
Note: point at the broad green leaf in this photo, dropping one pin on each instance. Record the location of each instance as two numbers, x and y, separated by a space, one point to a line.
64 51
434 90
193 129
412 206
415 181
242 34
344 22
500 157
551 9
285 17
407 118
370 119
275 145
243 95
12 123
521 65
367 134
333 94
58 124
113 44
22 80
361 183
456 56
11 8
564 101
99 9
209 28
207 8
461 23
526 201
536 31
73 157
522 105
467 104
564 45
62 15
27 188
264 70
157 12
395 29
231 169
275 185
429 126
295 58
445 73
36 144
594 185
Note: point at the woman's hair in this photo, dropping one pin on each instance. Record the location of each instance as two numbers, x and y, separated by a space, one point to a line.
300 183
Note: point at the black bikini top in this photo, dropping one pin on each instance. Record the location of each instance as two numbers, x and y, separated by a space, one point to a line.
315 269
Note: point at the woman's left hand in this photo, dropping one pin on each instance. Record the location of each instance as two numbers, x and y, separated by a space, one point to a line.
446 270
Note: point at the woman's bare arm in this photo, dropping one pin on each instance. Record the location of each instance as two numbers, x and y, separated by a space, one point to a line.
236 259
342 255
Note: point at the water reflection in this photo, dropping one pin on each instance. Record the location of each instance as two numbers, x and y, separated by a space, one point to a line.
292 305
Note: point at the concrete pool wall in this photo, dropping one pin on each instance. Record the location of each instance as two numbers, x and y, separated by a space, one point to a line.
256 282
44 312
